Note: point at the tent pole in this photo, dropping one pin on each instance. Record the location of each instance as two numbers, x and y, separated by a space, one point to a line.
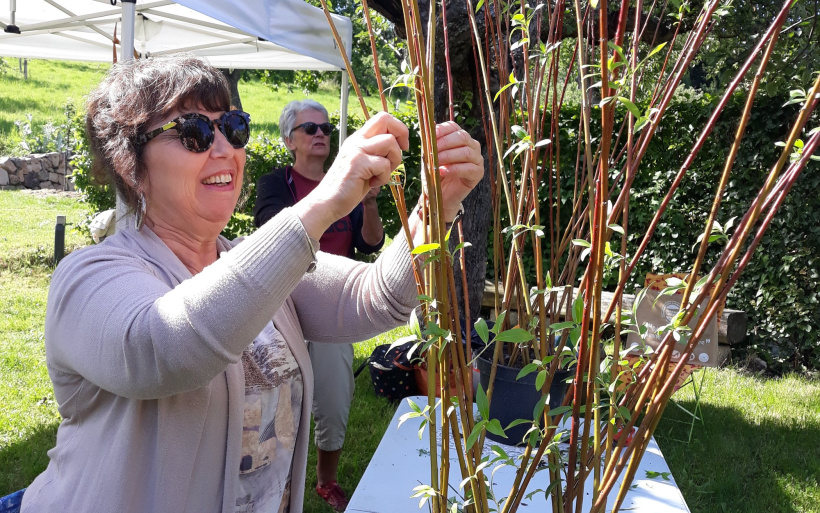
126 53
128 16
343 112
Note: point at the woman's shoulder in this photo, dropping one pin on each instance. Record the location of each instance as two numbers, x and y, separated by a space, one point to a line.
277 175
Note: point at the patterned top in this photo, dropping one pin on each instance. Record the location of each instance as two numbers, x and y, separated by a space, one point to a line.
273 399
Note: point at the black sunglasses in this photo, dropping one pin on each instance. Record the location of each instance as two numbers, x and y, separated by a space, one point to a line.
196 131
310 128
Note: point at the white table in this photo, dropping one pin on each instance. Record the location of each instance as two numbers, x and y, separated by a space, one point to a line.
401 462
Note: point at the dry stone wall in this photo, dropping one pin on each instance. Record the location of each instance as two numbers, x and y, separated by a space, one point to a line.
39 171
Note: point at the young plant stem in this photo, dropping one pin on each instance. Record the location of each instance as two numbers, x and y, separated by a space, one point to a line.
371 34
343 53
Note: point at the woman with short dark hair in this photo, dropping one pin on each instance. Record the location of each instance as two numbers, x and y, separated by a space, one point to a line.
177 356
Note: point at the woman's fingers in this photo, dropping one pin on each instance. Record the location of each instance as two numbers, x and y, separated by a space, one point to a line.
383 145
446 128
383 123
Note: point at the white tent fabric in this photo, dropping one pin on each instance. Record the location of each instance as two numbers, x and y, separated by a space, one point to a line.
255 34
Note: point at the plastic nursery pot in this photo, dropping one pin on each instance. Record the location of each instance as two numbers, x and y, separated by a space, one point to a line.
516 399
420 372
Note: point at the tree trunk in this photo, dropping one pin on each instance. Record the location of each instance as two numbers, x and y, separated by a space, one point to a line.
233 76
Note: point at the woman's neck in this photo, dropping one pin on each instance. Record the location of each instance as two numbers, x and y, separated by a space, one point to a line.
313 169
194 251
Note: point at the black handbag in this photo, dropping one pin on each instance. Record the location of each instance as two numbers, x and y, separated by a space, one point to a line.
391 371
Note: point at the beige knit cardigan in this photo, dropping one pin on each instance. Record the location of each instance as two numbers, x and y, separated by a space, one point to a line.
133 340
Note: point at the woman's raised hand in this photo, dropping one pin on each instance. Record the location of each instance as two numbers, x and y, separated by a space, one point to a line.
366 159
461 165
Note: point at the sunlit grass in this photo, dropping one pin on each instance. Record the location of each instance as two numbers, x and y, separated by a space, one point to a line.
50 85
27 227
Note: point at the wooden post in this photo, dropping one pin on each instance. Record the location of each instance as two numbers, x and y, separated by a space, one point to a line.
59 240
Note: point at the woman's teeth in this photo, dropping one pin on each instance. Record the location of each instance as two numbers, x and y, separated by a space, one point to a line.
217 180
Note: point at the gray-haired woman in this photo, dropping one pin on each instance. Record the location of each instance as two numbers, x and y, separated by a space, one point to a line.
177 356
306 132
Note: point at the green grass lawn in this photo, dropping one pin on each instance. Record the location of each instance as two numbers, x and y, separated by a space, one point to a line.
757 450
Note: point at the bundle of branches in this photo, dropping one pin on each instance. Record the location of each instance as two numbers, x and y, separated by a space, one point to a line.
611 54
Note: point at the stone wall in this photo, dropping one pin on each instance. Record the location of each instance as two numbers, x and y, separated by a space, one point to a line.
39 171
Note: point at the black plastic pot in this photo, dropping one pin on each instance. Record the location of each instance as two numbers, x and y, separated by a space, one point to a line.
516 399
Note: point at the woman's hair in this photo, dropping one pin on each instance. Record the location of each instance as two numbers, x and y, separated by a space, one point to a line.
136 94
287 119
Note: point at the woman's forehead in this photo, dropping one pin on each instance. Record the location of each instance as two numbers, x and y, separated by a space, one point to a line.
310 115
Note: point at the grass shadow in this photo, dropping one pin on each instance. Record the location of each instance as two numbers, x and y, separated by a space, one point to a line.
714 473
24 460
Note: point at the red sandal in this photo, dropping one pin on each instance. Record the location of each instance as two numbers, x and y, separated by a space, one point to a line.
332 494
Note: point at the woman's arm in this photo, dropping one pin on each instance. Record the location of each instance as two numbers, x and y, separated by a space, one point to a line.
346 301
114 318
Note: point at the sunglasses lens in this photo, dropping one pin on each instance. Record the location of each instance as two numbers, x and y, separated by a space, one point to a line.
327 128
236 129
196 134
310 128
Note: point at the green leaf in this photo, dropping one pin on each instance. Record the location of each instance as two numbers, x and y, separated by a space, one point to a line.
515 335
540 379
582 243
518 422
538 410
499 321
578 309
519 131
511 83
471 440
482 402
631 106
655 50
425 248
561 325
494 427
528 369
616 228
415 327
403 340
559 411
482 330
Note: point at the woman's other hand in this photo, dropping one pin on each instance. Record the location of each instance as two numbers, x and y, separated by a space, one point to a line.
366 160
461 166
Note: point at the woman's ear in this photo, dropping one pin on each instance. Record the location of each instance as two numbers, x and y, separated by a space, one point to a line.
288 143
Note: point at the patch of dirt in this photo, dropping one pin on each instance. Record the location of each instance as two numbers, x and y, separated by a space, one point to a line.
46 193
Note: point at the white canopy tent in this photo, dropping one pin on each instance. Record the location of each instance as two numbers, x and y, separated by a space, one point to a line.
246 34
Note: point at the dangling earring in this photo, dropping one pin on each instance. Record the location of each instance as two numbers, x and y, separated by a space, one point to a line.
140 217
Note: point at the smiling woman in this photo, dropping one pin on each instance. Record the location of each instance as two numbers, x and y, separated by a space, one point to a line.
177 356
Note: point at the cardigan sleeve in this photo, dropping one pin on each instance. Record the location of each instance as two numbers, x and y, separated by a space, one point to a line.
348 301
113 319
